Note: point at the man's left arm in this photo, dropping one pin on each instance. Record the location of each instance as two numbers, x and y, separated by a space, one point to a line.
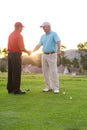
59 46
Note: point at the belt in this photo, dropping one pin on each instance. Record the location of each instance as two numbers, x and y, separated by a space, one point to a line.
14 53
47 53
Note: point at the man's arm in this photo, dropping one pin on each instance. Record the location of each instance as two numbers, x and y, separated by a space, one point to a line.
26 51
59 45
36 48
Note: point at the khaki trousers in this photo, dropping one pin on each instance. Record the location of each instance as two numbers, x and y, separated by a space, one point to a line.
49 68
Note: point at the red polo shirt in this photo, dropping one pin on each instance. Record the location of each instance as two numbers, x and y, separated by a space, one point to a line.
15 42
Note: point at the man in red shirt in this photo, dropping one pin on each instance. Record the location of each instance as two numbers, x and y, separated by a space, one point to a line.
15 49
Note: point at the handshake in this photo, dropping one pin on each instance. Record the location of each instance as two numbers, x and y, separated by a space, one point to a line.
29 52
35 49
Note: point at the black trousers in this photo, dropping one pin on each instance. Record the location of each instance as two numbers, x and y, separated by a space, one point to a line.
14 72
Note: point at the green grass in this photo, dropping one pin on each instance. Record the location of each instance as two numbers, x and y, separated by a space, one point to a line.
44 111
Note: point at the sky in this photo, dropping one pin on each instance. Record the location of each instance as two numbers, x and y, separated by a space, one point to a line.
67 18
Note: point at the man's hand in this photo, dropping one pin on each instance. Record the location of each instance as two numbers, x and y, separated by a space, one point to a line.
29 52
59 53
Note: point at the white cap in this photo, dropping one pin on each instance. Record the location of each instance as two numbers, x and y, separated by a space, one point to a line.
45 24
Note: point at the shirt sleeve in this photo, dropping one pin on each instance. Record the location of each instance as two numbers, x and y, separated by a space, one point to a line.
56 37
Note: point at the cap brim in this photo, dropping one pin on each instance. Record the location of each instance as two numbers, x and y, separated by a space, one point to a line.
41 26
23 26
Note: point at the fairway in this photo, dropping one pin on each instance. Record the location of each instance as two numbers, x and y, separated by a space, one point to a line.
38 110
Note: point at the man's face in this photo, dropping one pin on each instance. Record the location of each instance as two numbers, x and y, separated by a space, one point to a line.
20 29
46 29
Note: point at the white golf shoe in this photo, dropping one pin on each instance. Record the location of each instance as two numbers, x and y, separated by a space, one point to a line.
56 91
47 90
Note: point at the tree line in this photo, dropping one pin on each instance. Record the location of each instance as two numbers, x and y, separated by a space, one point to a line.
82 50
75 63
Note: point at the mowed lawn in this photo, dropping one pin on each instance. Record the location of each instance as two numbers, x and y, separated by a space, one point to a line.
38 110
